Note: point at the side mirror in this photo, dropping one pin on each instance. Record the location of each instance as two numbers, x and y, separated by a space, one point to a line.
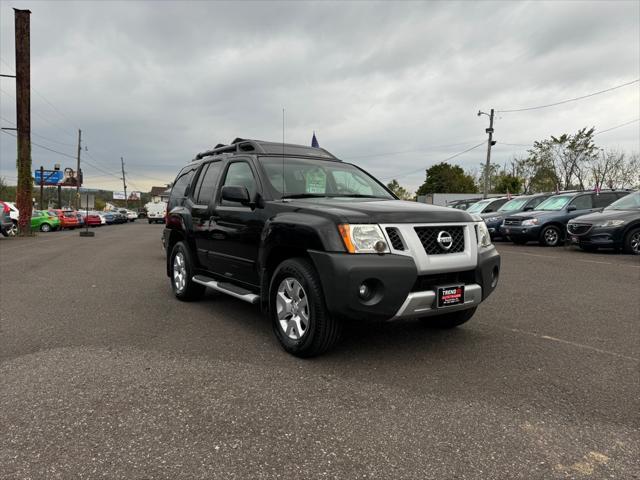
488 210
528 209
571 208
236 193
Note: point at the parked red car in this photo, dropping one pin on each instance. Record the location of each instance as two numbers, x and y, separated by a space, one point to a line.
91 219
68 218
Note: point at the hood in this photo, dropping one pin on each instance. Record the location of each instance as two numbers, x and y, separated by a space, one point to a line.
599 217
374 210
534 213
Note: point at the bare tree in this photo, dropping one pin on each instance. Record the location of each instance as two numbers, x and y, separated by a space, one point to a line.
615 169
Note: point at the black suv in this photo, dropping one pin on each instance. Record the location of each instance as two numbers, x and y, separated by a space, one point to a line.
313 241
617 226
547 224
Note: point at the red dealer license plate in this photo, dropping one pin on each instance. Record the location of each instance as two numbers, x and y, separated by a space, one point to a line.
450 296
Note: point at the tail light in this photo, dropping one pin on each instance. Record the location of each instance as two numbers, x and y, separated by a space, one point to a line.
5 208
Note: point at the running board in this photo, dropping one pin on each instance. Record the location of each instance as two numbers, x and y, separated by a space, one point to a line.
228 288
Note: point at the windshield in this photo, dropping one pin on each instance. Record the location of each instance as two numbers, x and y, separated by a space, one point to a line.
479 206
515 204
556 202
628 202
313 178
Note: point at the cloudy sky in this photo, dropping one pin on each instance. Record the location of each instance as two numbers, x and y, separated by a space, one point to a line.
394 87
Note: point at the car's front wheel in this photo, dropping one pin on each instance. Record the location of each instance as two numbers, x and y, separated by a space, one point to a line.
301 321
45 227
550 236
632 241
450 320
184 288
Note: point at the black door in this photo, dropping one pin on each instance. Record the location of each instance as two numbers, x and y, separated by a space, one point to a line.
203 198
236 228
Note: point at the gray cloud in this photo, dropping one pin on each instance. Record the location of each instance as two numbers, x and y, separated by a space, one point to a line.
157 82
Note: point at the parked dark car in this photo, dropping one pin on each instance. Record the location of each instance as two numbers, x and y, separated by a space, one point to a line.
548 223
523 203
463 204
617 226
314 240
488 205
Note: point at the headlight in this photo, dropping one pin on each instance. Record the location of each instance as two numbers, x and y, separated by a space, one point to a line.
529 222
493 219
484 239
362 238
611 223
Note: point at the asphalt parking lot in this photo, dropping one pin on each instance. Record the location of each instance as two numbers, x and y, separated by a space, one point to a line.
104 374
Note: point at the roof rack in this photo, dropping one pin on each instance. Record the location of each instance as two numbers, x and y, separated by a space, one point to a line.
240 145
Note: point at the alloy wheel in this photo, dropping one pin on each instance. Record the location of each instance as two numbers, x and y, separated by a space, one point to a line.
292 305
179 272
635 243
551 236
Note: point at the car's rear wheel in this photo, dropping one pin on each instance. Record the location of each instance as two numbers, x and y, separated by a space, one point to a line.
184 288
45 227
13 229
449 320
550 236
632 241
301 322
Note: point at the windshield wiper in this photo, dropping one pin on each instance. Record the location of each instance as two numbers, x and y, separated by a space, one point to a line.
360 195
305 195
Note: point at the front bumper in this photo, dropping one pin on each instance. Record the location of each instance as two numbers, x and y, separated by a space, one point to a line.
529 232
399 292
599 237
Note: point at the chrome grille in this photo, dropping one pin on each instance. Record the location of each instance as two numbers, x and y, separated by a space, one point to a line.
429 238
394 238
512 221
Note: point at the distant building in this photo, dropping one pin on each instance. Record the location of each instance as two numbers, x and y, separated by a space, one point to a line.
160 194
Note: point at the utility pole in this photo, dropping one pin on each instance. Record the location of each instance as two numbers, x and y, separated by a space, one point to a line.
124 184
23 113
490 143
77 202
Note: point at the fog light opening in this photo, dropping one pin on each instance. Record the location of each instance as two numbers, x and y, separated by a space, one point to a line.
495 274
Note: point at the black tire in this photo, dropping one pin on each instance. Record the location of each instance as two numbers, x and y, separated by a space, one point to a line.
632 241
322 331
588 248
184 288
519 241
4 232
550 236
45 227
449 320
150 222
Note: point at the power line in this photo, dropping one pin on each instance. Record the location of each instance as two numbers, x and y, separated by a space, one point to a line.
441 161
617 126
427 149
569 100
41 136
595 134
42 146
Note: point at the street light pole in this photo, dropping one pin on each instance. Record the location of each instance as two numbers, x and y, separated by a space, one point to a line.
490 143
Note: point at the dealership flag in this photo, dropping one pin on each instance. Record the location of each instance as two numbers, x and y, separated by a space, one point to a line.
508 195
314 141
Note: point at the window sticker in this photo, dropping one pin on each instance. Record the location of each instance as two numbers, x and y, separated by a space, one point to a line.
315 181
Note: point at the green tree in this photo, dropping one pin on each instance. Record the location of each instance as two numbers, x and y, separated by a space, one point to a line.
447 178
400 192
507 183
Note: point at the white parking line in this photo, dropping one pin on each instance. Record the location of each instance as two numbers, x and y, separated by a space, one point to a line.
566 342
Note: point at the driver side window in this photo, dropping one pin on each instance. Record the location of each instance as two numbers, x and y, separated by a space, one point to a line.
240 174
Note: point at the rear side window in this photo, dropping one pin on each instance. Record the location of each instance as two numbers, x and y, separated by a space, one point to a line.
179 190
583 202
207 184
604 199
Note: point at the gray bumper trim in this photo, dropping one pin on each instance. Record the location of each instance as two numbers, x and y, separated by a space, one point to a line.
423 304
